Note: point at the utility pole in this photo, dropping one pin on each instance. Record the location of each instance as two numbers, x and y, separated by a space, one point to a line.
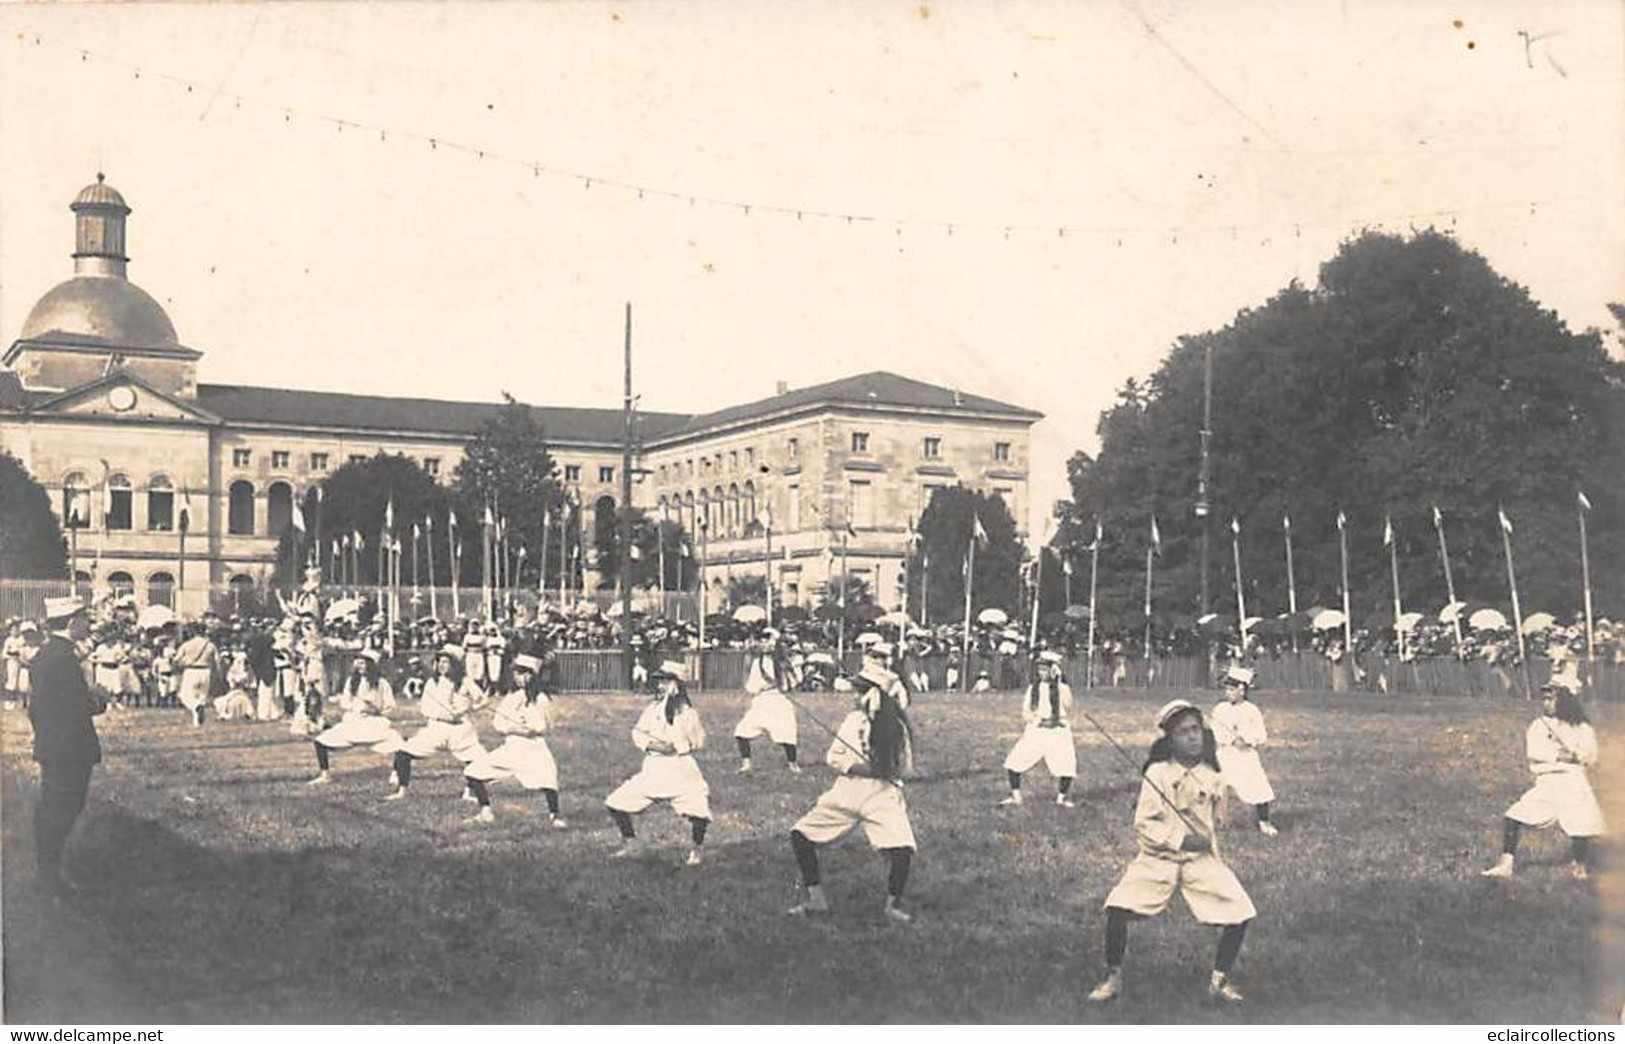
625 524
1203 507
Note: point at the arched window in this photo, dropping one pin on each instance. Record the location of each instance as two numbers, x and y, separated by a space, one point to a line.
687 515
751 517
733 510
240 512
120 506
719 515
161 589
122 583
160 506
702 512
603 521
278 508
242 592
75 500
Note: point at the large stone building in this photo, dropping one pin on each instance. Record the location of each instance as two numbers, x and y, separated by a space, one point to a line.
101 402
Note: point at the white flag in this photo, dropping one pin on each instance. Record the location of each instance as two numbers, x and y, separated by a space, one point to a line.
298 518
1235 526
1506 523
1341 521
1585 505
1066 566
389 514
415 531
637 553
977 533
1438 518
1387 532
1156 536
1286 523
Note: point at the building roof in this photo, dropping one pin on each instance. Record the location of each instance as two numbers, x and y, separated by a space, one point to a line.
100 194
285 406
878 388
101 310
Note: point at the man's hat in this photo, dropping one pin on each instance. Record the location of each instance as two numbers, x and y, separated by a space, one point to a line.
673 669
527 662
873 672
1239 675
1172 709
63 608
1050 656
372 654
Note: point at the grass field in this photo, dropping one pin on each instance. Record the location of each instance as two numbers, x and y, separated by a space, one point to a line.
221 889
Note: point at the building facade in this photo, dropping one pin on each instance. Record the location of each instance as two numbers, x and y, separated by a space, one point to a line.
102 403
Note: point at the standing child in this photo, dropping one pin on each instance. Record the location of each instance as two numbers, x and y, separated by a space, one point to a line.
873 750
1048 734
522 716
1175 825
1238 731
1561 745
668 732
770 712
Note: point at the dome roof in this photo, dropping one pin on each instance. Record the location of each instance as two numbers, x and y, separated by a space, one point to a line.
101 309
100 194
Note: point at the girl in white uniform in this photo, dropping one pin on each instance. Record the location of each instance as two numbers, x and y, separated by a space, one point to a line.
197 660
1175 823
449 703
669 733
1238 730
311 654
770 713
523 717
366 700
873 751
1561 745
1046 710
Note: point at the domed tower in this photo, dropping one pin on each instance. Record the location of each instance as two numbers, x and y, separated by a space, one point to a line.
99 320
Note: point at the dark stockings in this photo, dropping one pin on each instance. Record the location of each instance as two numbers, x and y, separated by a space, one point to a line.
1117 920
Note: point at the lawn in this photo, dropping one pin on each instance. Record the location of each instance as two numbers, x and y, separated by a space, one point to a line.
221 889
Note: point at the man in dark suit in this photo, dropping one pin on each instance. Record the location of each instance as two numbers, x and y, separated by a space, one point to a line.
65 743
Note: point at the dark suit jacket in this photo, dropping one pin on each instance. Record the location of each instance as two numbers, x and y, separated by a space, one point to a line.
62 706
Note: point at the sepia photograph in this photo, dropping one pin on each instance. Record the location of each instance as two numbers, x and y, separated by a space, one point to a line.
727 514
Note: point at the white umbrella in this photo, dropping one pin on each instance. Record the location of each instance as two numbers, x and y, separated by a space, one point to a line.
750 614
342 608
1326 619
866 638
1487 620
1451 612
1536 622
992 617
1408 621
820 657
895 618
154 617
1251 622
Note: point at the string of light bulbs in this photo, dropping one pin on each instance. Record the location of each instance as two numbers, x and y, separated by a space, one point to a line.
588 181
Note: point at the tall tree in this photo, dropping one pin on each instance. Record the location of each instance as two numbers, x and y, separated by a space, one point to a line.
355 499
508 468
945 531
30 540
648 534
1413 375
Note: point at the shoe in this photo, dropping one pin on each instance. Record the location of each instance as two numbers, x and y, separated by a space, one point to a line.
696 857
808 908
1579 872
469 797
1012 801
743 769
558 822
394 778
1065 801
398 794
627 850
897 913
318 779
1109 988
793 768
484 815
1220 989
1502 868
1268 829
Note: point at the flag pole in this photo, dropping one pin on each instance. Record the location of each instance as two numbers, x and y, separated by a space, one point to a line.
970 579
1393 567
705 594
1582 507
1038 596
541 579
1291 582
417 594
1094 572
1343 555
925 587
840 635
1449 581
428 529
454 555
768 531
1512 583
1241 600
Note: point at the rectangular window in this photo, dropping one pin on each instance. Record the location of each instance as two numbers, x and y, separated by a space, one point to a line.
241 458
733 460
119 509
927 491
318 462
750 458
606 473
860 442
160 511
933 447
1001 451
279 458
795 507
572 473
792 448
431 465
691 467
357 458
861 503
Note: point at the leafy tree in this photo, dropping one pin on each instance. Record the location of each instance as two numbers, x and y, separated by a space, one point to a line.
746 590
648 536
860 601
1413 375
30 540
508 469
944 539
354 499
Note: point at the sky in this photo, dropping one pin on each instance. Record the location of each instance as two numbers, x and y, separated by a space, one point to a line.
1029 201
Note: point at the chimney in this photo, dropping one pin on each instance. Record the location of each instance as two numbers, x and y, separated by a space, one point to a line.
781 387
959 399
